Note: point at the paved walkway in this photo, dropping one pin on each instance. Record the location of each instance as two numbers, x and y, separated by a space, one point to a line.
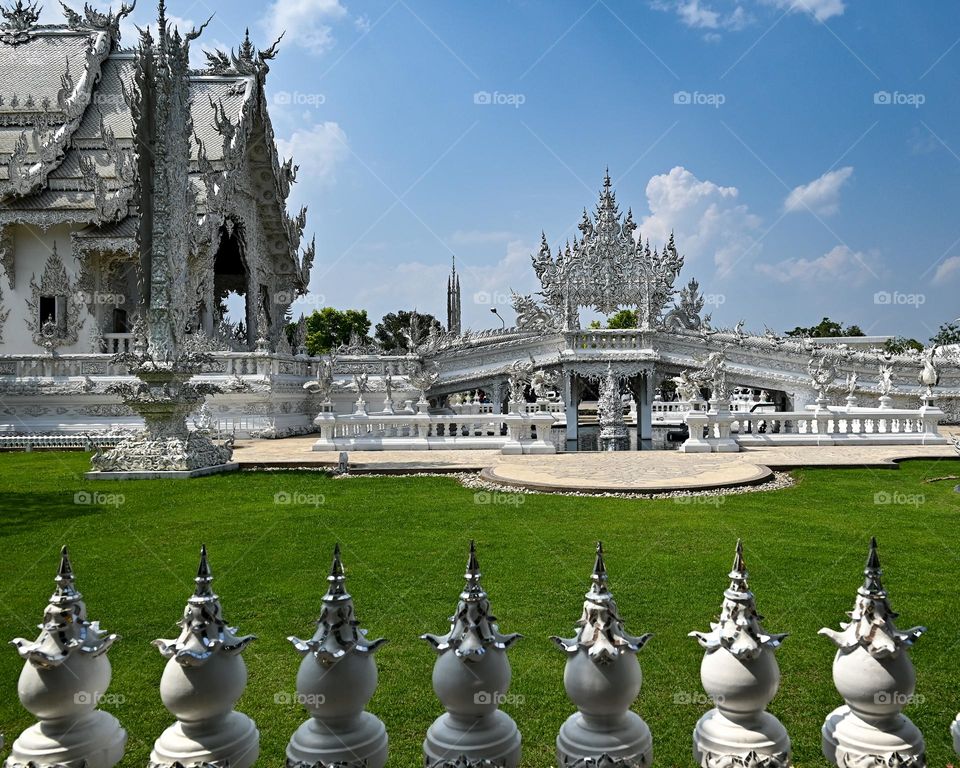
645 471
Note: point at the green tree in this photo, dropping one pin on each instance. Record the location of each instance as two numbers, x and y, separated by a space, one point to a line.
827 328
625 318
949 333
900 344
328 328
395 330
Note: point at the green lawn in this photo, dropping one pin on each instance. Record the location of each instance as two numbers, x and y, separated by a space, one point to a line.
404 545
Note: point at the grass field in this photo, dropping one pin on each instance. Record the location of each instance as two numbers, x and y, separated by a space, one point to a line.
404 545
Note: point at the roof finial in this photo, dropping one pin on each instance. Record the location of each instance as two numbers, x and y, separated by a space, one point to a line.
336 591
599 567
66 591
738 573
872 585
473 574
204 576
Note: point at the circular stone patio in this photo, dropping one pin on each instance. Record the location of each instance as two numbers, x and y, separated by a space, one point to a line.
651 472
629 472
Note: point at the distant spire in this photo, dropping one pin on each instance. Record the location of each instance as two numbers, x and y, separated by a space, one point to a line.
454 314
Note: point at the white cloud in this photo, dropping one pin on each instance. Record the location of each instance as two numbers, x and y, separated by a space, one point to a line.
707 219
307 23
839 265
821 10
693 14
715 15
318 150
821 195
947 269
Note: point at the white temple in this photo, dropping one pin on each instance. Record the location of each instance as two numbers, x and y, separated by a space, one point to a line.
77 242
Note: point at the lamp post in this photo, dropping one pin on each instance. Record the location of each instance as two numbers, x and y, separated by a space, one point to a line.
499 317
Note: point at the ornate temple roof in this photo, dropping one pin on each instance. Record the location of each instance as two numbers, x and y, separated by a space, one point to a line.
66 125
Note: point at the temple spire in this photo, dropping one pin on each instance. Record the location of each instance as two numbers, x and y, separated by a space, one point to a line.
454 314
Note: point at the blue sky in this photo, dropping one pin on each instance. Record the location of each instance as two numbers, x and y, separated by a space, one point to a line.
806 152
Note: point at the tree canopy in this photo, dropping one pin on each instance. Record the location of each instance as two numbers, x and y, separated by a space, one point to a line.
948 333
625 318
826 328
328 328
403 330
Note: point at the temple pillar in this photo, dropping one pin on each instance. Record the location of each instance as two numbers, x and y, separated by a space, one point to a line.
645 411
497 395
571 400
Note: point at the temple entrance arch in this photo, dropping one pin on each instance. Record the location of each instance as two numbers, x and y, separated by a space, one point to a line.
231 279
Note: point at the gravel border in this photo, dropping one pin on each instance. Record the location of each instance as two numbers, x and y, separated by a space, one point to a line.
472 481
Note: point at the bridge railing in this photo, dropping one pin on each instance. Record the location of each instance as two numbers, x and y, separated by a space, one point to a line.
511 433
721 430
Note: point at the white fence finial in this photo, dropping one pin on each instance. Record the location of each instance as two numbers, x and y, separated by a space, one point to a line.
63 681
202 681
740 673
602 678
471 677
337 678
875 677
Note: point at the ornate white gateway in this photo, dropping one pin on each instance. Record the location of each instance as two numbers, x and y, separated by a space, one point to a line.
608 269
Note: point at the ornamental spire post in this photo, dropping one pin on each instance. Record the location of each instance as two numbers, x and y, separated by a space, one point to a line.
873 673
337 678
471 677
202 681
602 678
64 678
740 673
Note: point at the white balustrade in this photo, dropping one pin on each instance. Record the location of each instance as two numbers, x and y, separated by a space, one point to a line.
511 433
834 425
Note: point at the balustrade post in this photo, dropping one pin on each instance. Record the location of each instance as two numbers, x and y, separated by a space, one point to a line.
740 673
64 678
696 422
337 678
875 676
471 677
201 683
602 678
